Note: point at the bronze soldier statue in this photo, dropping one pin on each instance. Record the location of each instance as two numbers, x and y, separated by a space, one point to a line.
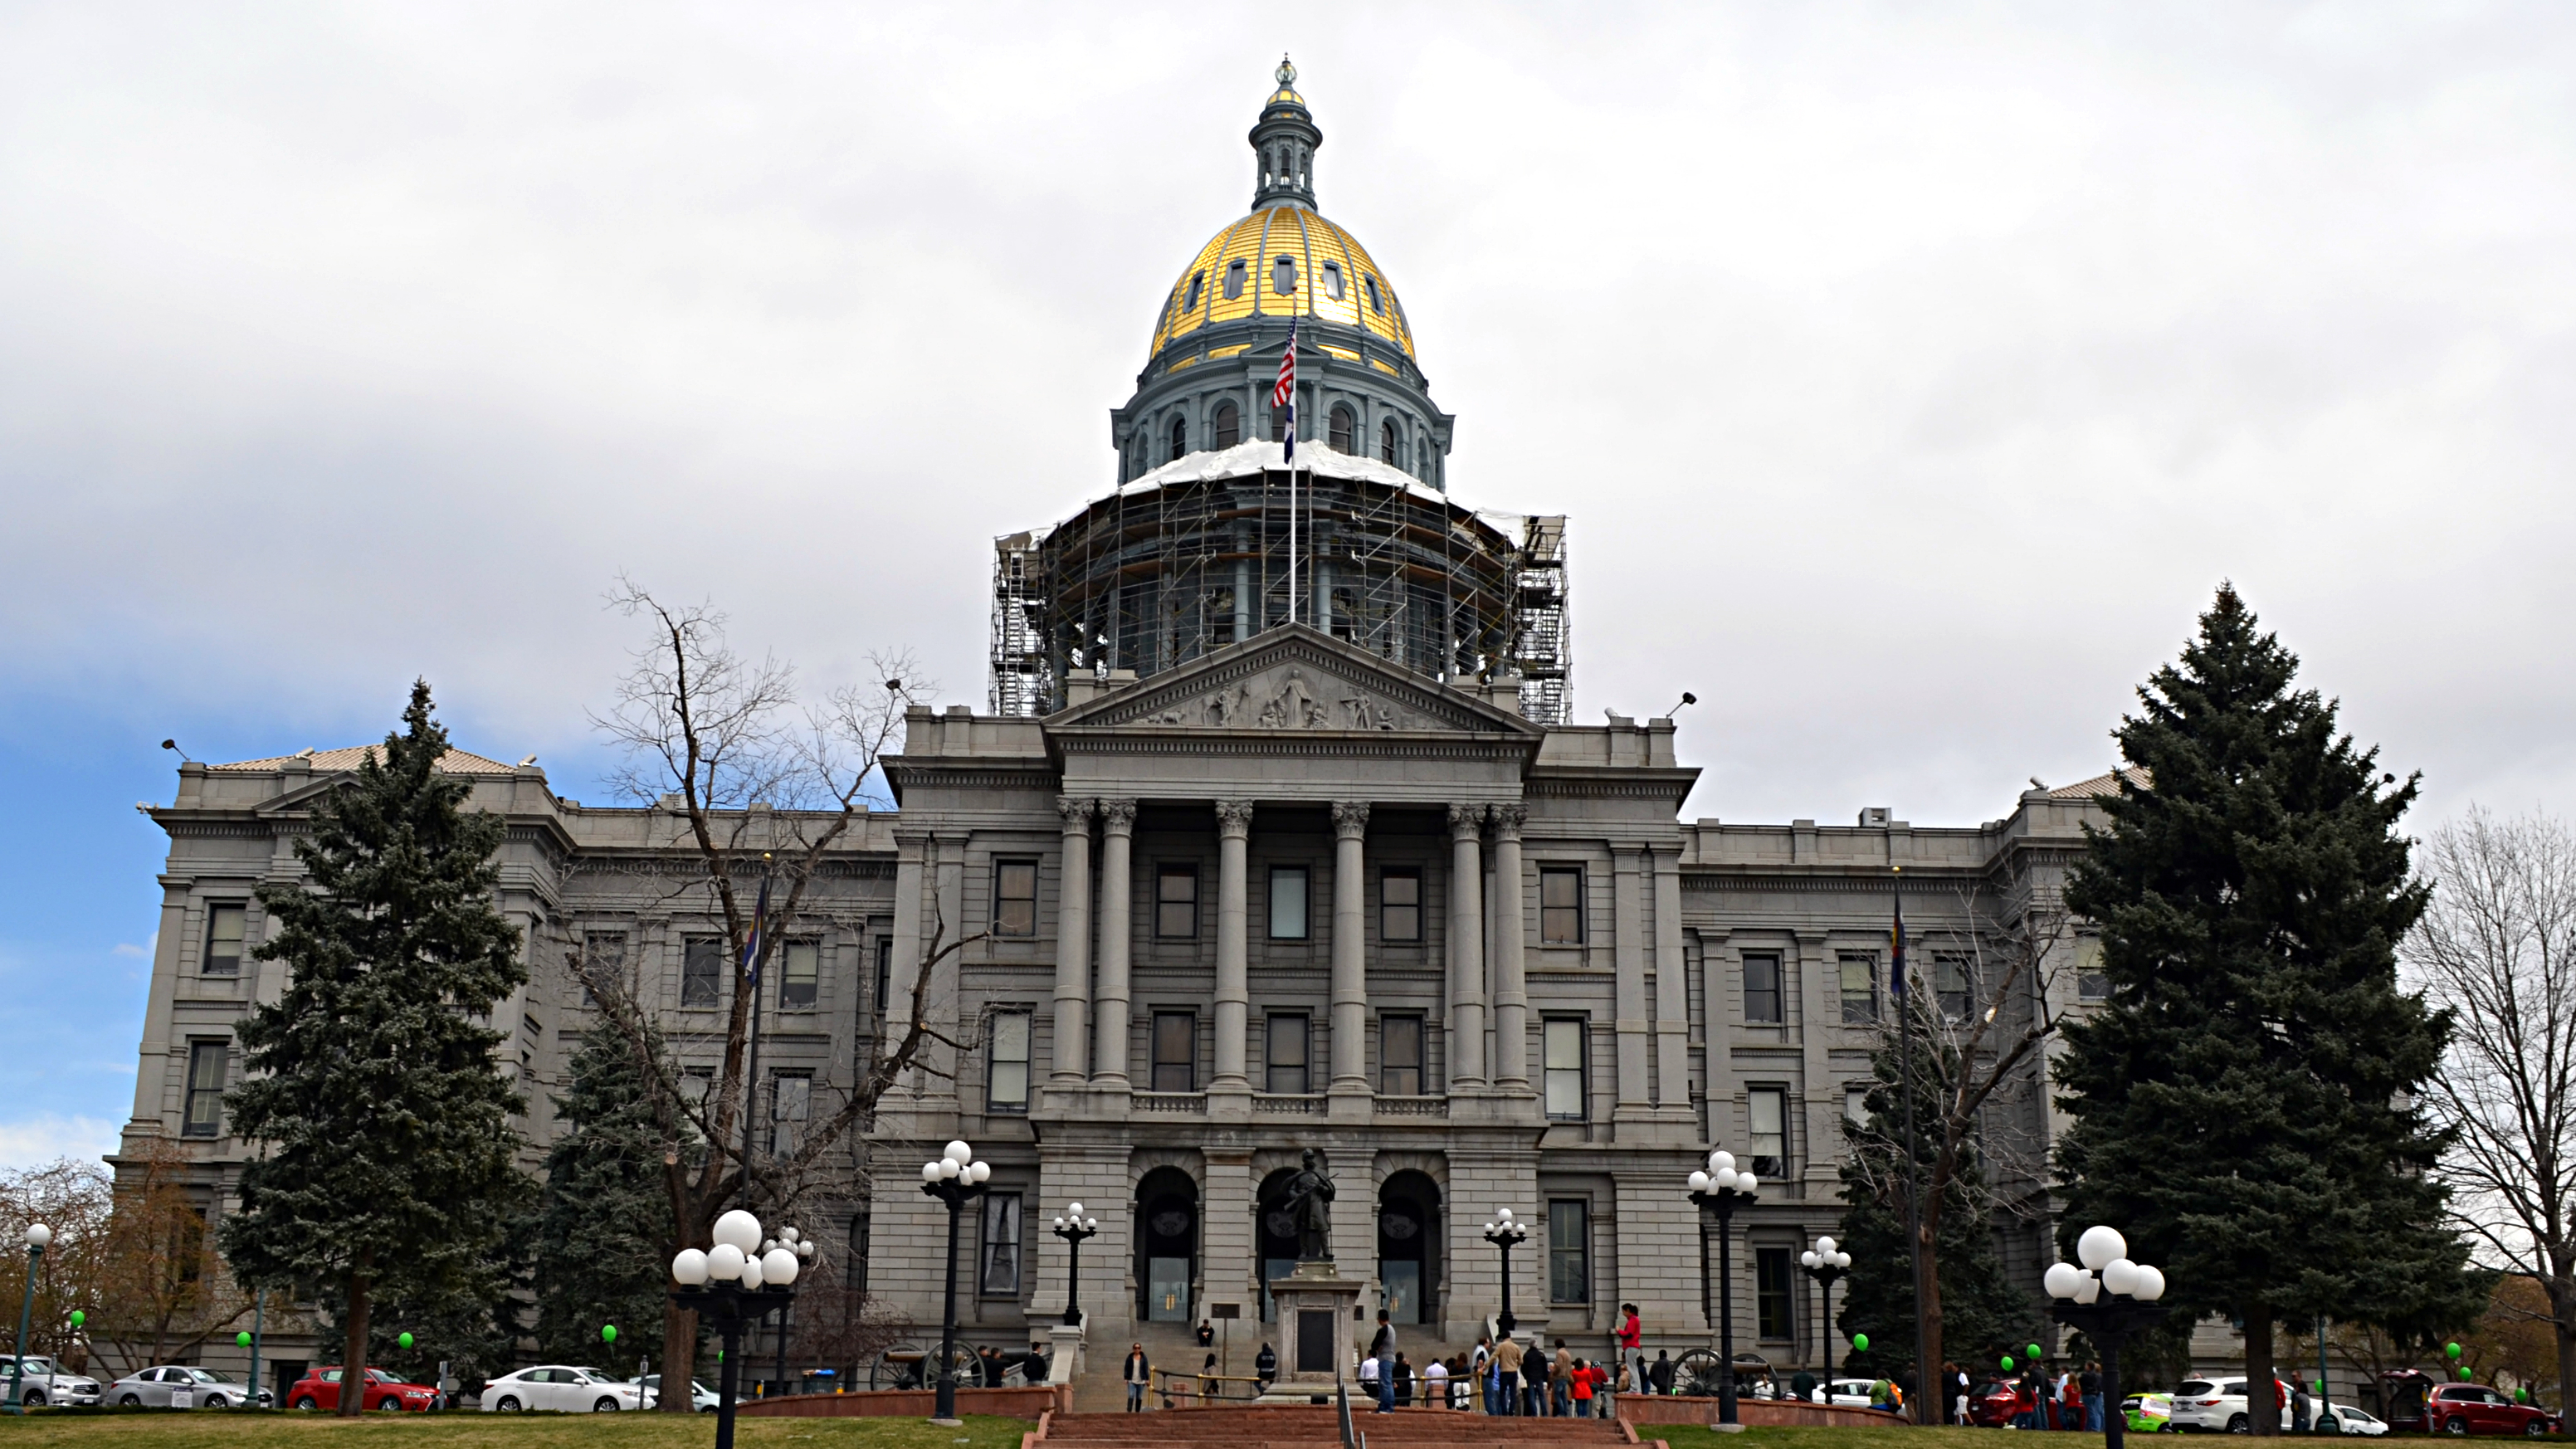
1308 1199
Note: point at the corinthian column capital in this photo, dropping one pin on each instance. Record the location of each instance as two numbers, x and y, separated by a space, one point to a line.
1117 816
1234 818
1076 811
1350 819
1508 819
1466 822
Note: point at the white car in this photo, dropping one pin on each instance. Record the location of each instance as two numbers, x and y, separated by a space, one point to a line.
180 1386
563 1389
701 1398
2345 1419
43 1385
1849 1393
2218 1406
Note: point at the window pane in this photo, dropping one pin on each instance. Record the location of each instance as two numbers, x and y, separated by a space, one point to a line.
2091 982
1399 1054
1399 898
1950 985
791 1100
1560 902
1008 1089
1176 902
1860 987
1175 1051
1288 903
1564 1068
1856 1105
1771 1292
1569 1251
1001 1273
1762 988
799 971
1015 898
224 939
203 1112
701 971
1767 1109
1287 1053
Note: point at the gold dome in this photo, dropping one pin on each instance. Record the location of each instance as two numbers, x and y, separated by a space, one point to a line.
1332 278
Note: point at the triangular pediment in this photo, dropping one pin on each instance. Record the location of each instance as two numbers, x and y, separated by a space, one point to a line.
1294 680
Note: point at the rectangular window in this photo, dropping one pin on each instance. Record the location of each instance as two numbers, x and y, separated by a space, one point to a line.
205 1106
885 974
1767 1143
1399 1055
1287 903
1176 1051
1015 898
1564 1068
603 959
1569 1250
1176 902
224 939
791 1102
702 971
695 1084
1856 1106
1560 905
1286 1052
1950 984
1772 1296
1006 1083
1000 1275
2092 983
1399 904
1860 986
800 971
1762 988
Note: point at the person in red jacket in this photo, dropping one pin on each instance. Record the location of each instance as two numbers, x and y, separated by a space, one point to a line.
1630 1330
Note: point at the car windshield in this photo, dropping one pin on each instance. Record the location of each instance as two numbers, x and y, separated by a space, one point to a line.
2197 1386
209 1376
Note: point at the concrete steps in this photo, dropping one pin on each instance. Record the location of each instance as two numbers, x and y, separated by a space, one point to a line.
1292 1427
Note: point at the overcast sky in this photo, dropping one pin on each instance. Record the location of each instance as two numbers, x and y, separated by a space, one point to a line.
1912 374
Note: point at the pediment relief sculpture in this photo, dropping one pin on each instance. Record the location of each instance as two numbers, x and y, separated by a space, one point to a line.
1291 698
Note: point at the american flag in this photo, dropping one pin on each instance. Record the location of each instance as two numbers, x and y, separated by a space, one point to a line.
1283 394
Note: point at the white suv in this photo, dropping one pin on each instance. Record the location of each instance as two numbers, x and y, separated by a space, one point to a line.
2218 1405
44 1385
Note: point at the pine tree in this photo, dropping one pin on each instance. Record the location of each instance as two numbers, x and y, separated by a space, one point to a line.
375 1096
2244 1104
1983 1314
606 1212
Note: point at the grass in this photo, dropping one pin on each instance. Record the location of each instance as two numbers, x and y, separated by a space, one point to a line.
1866 1436
206 1429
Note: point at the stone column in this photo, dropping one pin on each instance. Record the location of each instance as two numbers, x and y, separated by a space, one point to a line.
1110 1012
1672 990
1350 947
1511 982
939 992
1073 940
1466 945
903 975
1628 962
1233 988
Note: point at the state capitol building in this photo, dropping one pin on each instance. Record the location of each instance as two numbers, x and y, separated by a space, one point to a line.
1277 834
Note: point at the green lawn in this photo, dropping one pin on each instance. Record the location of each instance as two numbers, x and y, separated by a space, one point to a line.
207 1429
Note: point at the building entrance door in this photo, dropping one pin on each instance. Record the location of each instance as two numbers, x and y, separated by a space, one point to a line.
1408 1231
1167 1245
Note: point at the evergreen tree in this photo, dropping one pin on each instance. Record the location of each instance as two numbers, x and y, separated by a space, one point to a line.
2244 1104
1983 1314
606 1212
387 1145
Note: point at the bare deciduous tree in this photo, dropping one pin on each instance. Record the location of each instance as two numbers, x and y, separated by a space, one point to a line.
2498 949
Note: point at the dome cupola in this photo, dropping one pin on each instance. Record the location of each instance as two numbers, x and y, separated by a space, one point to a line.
1284 142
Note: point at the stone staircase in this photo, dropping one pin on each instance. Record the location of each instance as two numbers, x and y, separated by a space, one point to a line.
1293 1427
1099 1390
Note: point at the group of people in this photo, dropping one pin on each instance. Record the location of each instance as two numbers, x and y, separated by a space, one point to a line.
2072 1401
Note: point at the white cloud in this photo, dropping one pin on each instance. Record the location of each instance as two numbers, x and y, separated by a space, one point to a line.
30 1141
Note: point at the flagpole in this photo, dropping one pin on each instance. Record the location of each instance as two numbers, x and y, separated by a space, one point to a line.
751 950
1923 1372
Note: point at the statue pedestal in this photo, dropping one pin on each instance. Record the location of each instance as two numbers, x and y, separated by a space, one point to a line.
1064 1364
1316 1306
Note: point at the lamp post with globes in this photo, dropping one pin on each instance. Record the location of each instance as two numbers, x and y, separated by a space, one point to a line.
1506 1234
2109 1298
1725 1189
803 1248
1076 1230
1825 1262
729 1288
955 1178
38 1235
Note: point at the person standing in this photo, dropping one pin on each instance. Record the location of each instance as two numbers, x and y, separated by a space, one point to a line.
1507 1377
1534 1381
1265 1364
2091 1387
1403 1382
1578 1381
1561 1381
1138 1372
1383 1348
1435 1385
1631 1330
1802 1386
1371 1375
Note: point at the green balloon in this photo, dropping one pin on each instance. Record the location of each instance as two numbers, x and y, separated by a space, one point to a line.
2465 1375
2007 1363
1860 1343
2452 1349
405 1340
79 1318
2522 1396
242 1339
2035 1354
608 1333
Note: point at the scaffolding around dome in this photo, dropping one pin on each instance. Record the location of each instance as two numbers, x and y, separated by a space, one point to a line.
1195 556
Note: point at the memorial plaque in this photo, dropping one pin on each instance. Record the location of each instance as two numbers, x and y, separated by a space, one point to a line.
1315 1341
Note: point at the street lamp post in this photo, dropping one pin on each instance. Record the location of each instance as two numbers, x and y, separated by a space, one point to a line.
1506 1234
1075 1229
730 1288
955 1178
1825 1262
1724 1188
803 1248
2110 1299
38 1235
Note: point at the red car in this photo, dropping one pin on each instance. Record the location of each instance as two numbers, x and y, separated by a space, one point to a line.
1993 1404
320 1389
2477 1409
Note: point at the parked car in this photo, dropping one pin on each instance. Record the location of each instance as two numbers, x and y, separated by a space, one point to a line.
44 1384
701 1398
181 1386
2477 1409
2148 1413
2219 1405
1849 1393
1993 1404
2345 1419
570 1390
320 1389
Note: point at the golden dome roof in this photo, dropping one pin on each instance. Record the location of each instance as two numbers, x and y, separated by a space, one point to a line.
1330 277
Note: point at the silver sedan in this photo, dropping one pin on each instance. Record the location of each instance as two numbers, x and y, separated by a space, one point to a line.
179 1386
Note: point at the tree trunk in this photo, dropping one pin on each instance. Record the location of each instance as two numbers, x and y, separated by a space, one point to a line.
1928 1389
679 1359
2562 1313
353 1360
2262 1411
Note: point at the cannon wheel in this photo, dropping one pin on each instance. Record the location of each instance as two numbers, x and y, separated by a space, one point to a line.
1699 1372
910 1366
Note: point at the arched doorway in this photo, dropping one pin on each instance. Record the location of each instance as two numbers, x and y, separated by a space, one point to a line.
1408 1247
1274 1232
1167 1244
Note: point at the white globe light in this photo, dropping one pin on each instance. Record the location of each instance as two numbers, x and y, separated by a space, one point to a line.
1059 1222
804 1247
689 1269
1503 1213
959 1153
2089 1289
983 1171
930 1172
2099 1246
2151 1284
1074 1210
738 1228
948 1168
2060 1279
1826 1245
779 1266
724 1262
1807 1259
1699 1182
1720 1162
1842 1260
1746 1182
1091 1225
2120 1276
1726 1178
766 1247
38 1235
751 1272
787 1235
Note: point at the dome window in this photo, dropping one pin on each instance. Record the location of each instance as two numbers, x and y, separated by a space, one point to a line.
1283 275
1377 300
1229 425
1386 441
1345 428
1180 438
1234 276
1333 280
1198 284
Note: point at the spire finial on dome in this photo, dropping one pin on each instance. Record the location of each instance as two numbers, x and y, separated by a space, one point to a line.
1283 145
1287 72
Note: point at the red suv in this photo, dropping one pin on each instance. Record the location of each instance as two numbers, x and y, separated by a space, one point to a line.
320 1389
2477 1409
1993 1404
